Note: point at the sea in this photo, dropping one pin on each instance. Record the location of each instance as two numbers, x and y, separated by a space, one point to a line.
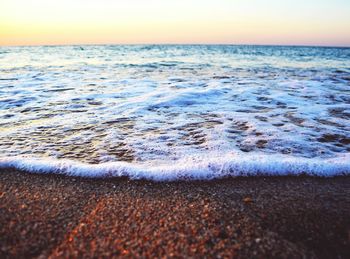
175 112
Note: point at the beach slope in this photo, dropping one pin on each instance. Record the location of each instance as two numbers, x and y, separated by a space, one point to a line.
273 217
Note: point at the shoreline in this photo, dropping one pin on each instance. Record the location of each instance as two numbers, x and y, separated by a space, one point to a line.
46 215
187 169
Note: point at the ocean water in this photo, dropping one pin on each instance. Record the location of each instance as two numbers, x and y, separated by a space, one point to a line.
168 112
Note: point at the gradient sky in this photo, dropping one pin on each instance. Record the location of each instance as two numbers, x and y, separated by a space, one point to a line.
291 22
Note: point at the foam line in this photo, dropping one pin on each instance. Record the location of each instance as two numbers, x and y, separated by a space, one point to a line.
191 168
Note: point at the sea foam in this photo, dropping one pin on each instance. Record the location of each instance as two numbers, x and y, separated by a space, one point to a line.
190 168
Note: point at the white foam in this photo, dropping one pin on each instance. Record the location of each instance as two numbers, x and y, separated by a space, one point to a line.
190 168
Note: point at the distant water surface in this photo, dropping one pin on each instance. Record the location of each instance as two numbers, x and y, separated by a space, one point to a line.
152 105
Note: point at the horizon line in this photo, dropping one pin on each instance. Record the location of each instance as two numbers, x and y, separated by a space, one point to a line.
177 44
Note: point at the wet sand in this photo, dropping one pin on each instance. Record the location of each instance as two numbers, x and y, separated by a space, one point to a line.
274 217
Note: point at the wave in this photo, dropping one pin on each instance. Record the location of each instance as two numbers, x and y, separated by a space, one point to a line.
190 168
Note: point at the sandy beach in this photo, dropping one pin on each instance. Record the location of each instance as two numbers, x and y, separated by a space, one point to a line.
174 129
274 217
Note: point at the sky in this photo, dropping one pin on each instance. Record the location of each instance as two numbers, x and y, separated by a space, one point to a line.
275 22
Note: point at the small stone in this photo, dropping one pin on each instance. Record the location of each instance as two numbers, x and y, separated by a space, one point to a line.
247 200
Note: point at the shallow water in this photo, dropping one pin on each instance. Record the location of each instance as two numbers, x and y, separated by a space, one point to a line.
153 105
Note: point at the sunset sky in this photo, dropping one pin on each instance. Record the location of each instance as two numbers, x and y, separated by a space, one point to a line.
291 22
